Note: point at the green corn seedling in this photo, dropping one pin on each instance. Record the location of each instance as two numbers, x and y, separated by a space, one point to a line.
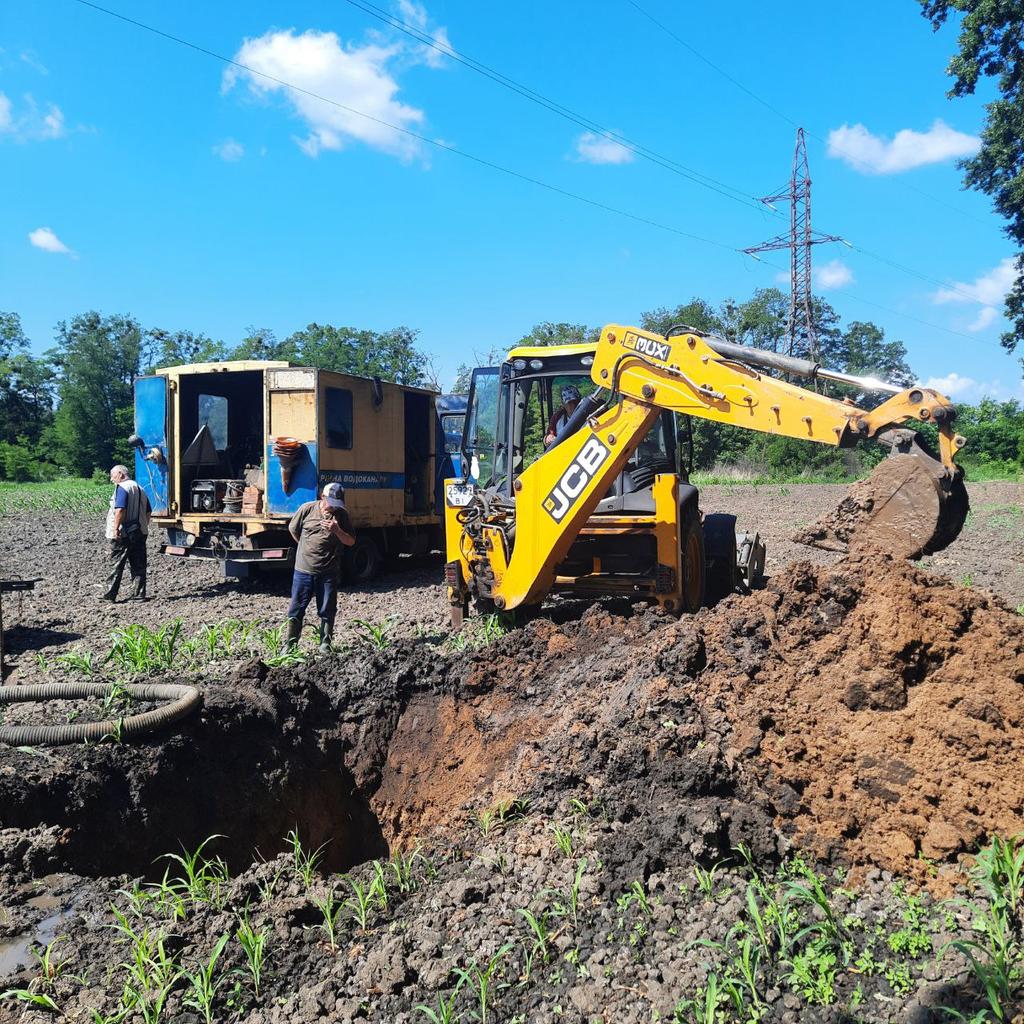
204 984
254 945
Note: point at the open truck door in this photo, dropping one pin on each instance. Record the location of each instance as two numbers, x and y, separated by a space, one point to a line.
150 439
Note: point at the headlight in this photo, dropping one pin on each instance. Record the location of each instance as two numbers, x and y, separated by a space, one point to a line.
536 364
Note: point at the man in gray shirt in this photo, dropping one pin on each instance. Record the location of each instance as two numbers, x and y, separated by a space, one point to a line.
320 529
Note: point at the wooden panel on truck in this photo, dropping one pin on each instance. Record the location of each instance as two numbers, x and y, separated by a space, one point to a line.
362 446
291 414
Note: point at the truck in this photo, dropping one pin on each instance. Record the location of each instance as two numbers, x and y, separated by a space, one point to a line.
228 451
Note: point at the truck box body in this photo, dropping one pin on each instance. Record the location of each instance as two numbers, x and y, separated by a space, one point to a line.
227 452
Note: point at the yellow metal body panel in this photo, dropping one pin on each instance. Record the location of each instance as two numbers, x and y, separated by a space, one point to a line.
556 495
549 351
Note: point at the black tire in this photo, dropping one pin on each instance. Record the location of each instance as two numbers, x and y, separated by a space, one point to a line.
720 552
691 543
363 560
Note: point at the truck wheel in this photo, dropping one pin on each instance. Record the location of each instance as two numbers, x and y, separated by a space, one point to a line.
691 543
720 552
362 560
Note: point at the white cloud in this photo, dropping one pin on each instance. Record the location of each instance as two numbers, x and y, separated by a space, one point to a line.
30 124
834 274
968 389
229 150
47 240
874 154
354 76
415 14
53 123
986 316
988 291
592 148
29 58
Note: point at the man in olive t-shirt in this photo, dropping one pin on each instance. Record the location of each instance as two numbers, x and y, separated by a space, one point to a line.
320 529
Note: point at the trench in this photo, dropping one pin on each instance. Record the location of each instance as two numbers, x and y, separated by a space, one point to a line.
252 767
356 764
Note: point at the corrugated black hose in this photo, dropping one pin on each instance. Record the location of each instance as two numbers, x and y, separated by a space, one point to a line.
184 700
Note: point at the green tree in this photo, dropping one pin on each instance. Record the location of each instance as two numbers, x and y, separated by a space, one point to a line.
990 41
391 355
549 333
26 398
866 353
761 321
179 348
697 313
97 359
259 343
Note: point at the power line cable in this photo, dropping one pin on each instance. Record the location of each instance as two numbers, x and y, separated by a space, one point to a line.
785 117
581 120
447 147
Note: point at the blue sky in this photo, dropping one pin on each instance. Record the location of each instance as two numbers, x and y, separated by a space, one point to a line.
143 177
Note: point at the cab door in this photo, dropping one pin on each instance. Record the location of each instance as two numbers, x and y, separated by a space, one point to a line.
151 466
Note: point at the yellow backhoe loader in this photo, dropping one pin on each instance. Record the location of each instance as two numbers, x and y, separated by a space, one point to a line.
603 504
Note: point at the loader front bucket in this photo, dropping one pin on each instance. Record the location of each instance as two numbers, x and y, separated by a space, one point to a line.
911 505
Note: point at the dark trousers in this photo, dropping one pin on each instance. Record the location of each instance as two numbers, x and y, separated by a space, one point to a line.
130 551
305 587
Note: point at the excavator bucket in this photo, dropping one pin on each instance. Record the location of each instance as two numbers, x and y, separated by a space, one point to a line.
911 505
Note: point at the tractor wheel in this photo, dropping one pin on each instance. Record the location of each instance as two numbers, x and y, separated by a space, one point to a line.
691 542
720 551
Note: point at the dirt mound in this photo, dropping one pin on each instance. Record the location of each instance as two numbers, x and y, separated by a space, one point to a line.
880 707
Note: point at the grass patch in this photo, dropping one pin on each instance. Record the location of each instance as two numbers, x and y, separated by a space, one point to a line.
69 494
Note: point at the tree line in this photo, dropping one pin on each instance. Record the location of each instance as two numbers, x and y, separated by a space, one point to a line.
70 410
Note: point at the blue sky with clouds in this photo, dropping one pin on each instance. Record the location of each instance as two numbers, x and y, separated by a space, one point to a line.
143 176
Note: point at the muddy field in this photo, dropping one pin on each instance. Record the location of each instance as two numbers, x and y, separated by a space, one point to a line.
64 614
768 811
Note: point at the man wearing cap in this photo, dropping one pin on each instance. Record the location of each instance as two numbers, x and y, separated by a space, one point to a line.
570 399
320 529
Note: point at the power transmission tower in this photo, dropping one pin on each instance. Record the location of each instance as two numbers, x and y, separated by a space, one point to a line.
801 336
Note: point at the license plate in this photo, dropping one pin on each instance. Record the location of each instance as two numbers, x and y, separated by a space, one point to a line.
458 495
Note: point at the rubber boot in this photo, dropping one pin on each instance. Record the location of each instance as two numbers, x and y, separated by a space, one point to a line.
294 627
326 636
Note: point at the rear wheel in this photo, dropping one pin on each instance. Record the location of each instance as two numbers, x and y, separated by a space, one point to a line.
363 560
691 542
720 553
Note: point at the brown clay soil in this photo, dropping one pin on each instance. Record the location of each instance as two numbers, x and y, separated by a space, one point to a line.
866 713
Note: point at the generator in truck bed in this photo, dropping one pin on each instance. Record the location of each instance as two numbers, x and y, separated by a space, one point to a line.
227 452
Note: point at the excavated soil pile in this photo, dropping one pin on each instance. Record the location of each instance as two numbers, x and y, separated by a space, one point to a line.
874 712
881 708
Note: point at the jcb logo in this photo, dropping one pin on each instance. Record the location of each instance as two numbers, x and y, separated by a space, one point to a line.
647 347
578 474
